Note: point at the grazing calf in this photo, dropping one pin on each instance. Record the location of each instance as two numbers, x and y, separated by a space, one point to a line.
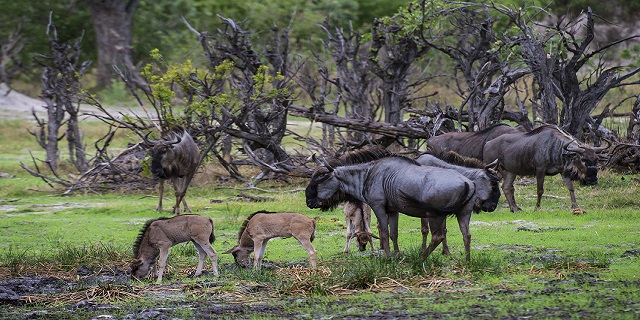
358 218
158 235
262 226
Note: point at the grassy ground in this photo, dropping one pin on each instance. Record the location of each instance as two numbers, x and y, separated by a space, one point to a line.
543 264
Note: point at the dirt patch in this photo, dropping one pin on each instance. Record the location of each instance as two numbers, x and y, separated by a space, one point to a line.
15 105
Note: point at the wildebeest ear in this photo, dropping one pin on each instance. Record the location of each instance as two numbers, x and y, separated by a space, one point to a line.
232 250
374 236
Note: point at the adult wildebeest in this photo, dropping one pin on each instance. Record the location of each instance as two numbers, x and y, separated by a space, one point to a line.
261 226
483 176
467 144
545 151
391 184
175 157
158 235
358 219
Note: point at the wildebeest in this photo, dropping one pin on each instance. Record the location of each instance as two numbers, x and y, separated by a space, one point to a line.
358 219
391 184
545 151
174 157
467 144
158 235
483 176
261 226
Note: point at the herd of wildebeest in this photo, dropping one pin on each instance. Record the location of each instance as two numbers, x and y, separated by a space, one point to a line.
459 174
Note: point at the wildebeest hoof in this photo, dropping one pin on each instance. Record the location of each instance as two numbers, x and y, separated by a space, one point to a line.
578 211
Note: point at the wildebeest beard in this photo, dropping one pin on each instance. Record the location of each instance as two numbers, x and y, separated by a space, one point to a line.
158 170
588 178
311 193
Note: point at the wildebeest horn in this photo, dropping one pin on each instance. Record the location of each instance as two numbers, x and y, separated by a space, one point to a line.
573 149
600 149
322 162
176 140
149 141
492 165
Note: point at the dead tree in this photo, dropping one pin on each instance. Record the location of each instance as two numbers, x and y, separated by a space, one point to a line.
394 50
255 118
558 58
10 47
351 88
482 70
60 88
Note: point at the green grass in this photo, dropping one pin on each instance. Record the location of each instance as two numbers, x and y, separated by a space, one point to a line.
546 263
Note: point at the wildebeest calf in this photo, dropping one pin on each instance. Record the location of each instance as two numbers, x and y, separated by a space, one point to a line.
158 235
262 226
358 219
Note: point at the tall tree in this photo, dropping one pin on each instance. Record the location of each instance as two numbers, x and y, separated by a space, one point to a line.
112 23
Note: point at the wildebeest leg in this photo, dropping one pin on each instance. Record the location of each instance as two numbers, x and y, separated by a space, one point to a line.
201 256
306 243
161 190
540 187
179 189
424 228
350 235
205 248
393 230
508 189
463 222
383 229
259 246
574 204
445 246
437 234
162 261
366 221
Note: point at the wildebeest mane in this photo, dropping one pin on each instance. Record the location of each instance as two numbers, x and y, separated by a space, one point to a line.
457 159
366 155
143 231
487 129
543 128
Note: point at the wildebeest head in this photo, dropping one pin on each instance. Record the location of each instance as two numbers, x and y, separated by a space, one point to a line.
363 238
487 189
485 177
241 255
324 189
141 269
163 156
581 163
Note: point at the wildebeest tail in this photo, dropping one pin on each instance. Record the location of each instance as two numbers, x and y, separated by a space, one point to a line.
212 237
313 235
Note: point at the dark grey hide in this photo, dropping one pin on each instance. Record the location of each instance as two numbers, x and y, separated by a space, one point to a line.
175 157
398 184
545 151
467 144
484 177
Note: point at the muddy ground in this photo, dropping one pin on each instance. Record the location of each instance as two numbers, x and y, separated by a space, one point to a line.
78 296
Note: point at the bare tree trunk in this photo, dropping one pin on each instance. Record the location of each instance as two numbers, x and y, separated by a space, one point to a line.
112 23
60 86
